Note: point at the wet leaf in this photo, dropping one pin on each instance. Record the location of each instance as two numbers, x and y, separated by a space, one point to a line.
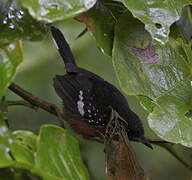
18 24
168 118
4 6
162 75
10 58
157 15
51 10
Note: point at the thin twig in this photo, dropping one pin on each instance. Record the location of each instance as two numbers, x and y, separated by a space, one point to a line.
157 141
34 100
21 103
169 147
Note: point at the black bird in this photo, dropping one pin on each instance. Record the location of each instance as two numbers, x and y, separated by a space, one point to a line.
89 100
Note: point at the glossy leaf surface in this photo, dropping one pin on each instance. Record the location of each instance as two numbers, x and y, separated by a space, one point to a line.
51 10
163 75
157 15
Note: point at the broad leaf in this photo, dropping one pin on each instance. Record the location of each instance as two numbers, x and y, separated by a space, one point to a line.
157 15
53 155
169 119
10 58
162 75
58 154
51 10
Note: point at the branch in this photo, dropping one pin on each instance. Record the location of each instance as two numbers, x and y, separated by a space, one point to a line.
21 103
34 100
157 141
168 146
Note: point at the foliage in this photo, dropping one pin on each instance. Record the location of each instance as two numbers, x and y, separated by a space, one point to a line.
10 58
52 155
150 46
160 74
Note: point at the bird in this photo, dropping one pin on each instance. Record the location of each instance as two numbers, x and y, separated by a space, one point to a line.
90 102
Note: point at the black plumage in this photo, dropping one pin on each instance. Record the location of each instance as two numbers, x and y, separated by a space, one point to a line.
89 99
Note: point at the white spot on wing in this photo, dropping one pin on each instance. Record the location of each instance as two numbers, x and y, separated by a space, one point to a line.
55 44
80 103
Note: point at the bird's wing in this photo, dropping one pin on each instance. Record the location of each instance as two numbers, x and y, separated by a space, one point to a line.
68 88
83 96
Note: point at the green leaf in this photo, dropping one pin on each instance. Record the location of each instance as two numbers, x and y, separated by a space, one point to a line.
185 23
18 24
5 143
147 103
153 70
169 119
51 10
104 15
53 155
24 147
157 15
10 58
162 75
22 155
26 138
58 154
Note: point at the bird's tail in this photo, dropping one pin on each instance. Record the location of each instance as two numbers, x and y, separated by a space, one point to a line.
64 49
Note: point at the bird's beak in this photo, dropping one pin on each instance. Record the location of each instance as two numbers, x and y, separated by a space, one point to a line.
145 141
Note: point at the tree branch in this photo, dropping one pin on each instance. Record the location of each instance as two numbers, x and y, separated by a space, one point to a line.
21 103
34 100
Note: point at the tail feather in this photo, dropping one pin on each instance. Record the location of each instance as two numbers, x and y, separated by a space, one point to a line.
63 47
